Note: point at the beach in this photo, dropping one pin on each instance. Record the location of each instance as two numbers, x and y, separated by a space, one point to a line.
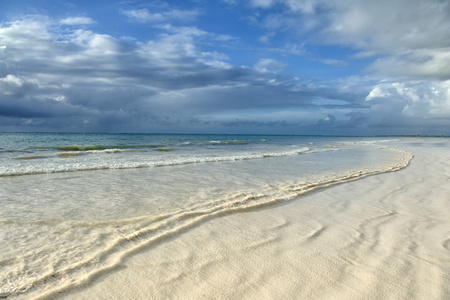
217 217
384 236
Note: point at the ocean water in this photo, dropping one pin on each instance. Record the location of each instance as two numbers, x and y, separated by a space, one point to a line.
73 206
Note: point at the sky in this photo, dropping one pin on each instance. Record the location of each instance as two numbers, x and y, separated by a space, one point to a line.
307 67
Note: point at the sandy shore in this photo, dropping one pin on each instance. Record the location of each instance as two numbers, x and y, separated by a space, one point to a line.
381 237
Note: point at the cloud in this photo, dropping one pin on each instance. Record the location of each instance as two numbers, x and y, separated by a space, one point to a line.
145 16
328 121
423 63
11 80
405 24
10 85
32 32
428 100
409 107
77 21
268 65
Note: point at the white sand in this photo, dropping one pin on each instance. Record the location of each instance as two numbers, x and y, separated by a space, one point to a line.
381 237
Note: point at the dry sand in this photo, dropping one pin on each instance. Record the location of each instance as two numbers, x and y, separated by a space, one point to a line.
382 237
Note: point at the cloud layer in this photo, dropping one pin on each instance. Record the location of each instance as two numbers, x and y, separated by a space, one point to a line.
60 74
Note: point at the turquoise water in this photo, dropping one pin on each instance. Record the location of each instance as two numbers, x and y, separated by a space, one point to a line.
74 205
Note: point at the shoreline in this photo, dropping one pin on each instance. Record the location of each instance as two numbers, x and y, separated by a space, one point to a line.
382 236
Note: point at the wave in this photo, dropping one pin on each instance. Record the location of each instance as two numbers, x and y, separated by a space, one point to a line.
163 162
107 151
227 142
79 148
93 147
76 149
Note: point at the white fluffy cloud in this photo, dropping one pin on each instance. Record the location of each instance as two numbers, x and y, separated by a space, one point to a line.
10 85
416 107
430 100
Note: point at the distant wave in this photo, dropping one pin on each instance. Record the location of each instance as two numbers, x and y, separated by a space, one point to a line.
94 147
67 148
228 142
107 151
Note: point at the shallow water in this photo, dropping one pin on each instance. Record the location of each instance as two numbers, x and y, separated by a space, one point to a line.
74 205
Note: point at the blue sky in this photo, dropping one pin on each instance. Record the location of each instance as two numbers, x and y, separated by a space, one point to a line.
344 67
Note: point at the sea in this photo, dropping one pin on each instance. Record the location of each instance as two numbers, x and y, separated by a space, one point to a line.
74 205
